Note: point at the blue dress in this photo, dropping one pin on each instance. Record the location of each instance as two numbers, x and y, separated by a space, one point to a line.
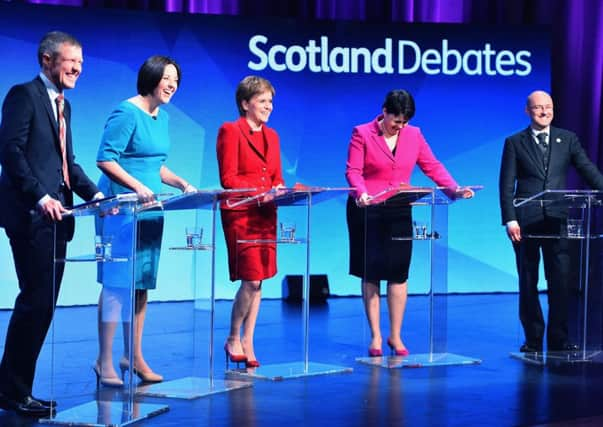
139 144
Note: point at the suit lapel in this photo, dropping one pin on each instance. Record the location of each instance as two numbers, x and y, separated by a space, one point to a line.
379 141
45 101
245 132
532 150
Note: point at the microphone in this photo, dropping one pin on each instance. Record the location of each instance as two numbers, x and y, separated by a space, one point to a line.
154 117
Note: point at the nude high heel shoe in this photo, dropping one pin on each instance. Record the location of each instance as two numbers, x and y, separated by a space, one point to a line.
146 376
106 381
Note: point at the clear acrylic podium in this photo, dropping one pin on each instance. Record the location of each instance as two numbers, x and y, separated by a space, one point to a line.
201 382
109 407
433 233
580 231
300 196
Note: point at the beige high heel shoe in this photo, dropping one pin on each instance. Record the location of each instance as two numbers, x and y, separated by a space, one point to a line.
106 381
147 376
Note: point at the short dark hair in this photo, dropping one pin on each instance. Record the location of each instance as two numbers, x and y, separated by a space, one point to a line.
249 87
151 73
51 44
400 102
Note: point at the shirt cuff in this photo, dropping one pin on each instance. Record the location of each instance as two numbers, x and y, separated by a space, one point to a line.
513 223
43 200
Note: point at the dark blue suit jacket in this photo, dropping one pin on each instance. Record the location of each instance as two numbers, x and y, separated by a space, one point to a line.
522 173
30 156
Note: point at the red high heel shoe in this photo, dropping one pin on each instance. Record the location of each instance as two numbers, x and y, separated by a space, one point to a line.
235 358
375 352
397 351
252 364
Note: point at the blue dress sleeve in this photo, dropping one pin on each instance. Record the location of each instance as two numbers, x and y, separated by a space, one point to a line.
118 132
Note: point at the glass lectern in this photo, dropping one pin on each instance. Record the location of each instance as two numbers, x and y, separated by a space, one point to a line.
576 208
115 404
434 233
299 196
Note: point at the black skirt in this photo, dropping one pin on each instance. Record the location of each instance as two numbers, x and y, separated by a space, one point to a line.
374 254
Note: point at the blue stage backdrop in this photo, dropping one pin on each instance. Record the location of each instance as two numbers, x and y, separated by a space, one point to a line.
470 85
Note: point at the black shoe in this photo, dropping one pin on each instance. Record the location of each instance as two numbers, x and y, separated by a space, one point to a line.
27 406
49 403
530 348
564 347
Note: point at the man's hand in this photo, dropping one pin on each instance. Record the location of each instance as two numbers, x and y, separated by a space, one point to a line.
514 231
53 209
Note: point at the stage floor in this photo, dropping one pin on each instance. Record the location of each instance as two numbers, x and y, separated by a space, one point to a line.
500 391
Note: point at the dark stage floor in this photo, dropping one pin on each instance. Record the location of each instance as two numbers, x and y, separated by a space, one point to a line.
499 392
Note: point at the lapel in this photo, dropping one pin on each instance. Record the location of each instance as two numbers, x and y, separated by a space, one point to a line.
44 99
532 150
555 142
378 140
246 132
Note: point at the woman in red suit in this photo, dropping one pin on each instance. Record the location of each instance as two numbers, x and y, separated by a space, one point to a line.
382 155
249 157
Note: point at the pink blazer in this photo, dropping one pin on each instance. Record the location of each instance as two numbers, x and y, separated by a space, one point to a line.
371 166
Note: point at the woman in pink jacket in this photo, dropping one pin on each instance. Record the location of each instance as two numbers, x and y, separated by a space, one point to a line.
382 155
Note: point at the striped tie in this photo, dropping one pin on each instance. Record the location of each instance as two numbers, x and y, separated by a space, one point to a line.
60 100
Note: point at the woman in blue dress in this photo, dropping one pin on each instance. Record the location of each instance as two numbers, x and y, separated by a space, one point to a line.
132 158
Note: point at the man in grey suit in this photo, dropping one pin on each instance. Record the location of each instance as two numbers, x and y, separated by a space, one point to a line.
39 177
537 159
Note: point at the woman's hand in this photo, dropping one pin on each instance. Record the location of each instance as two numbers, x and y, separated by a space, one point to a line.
464 193
144 193
189 189
363 200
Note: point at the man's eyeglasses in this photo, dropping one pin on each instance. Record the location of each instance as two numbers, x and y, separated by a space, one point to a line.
541 107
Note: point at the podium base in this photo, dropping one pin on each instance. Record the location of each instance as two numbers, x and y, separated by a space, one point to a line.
559 357
419 360
190 388
100 413
282 371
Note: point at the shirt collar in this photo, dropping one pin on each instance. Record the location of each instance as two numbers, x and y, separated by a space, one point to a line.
535 132
51 88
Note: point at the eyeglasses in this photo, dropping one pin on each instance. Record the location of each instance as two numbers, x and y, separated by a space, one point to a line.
541 107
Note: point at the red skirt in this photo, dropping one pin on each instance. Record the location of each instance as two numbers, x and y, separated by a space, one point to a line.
250 235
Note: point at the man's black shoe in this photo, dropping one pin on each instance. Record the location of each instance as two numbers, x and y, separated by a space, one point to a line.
564 347
27 406
48 403
530 348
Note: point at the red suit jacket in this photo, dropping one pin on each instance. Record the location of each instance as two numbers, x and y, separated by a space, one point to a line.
372 168
244 165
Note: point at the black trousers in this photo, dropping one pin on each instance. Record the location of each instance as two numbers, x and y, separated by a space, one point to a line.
555 254
39 282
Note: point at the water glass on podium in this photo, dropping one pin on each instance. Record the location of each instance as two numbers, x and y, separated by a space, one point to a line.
193 237
102 248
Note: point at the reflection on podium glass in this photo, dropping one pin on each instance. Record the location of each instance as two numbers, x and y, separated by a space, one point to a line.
114 408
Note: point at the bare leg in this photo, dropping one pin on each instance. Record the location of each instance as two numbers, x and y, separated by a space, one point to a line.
396 302
139 317
370 297
109 307
250 320
246 300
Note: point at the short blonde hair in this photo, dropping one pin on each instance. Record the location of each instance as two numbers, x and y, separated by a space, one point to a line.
249 87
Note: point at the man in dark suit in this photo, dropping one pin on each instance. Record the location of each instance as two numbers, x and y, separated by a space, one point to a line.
534 160
35 188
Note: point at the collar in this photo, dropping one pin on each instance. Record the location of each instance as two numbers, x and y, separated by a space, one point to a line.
52 90
535 132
